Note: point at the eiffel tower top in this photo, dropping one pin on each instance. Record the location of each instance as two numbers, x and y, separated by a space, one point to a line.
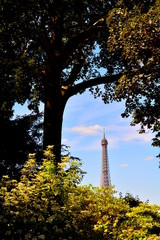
105 173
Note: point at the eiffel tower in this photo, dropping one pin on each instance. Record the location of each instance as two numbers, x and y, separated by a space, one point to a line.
105 173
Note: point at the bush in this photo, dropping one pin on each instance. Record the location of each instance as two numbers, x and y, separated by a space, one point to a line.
49 203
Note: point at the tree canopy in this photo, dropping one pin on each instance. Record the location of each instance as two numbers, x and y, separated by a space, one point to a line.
54 49
134 35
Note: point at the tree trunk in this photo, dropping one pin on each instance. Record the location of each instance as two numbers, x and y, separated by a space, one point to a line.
53 117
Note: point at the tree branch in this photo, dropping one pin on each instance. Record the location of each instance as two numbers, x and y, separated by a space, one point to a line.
74 42
73 90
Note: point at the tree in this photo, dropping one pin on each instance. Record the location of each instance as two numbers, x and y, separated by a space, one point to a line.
54 49
134 36
19 137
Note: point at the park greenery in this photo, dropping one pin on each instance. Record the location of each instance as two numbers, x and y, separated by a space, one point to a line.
52 50
48 202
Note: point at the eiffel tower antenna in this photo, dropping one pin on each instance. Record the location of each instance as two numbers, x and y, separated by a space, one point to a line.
103 132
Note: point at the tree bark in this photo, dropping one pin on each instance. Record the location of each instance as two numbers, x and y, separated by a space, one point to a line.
54 100
53 117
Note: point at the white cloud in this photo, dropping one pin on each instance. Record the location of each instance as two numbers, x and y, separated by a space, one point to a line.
149 158
86 130
134 135
124 165
115 134
128 133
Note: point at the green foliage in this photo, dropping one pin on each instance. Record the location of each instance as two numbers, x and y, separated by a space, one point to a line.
49 203
30 38
134 28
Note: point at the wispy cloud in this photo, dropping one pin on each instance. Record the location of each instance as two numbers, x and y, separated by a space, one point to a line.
134 135
86 130
149 158
115 134
128 133
124 165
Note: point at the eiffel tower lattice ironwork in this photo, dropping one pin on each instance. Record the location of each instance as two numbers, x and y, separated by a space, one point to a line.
105 173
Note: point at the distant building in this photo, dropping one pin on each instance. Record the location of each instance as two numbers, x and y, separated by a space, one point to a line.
105 173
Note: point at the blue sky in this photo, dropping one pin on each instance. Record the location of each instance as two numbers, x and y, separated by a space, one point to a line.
133 164
134 167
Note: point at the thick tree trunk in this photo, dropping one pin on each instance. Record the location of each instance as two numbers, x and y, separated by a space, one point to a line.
53 118
54 100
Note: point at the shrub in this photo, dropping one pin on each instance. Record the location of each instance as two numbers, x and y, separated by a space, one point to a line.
49 203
